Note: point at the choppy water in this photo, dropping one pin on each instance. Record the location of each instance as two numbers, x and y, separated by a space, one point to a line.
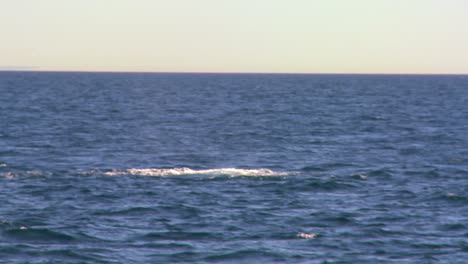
220 168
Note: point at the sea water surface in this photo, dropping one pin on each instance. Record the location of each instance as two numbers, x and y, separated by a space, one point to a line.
233 168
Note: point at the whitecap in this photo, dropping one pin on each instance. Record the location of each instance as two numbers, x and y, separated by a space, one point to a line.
306 235
363 176
189 171
10 174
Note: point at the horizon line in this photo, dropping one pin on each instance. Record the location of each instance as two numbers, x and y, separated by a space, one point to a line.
224 72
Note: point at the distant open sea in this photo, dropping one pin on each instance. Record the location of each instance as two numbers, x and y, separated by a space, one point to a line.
233 168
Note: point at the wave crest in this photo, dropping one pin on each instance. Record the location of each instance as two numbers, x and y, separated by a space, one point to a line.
11 174
189 171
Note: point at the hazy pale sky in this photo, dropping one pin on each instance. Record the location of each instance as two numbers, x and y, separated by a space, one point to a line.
307 36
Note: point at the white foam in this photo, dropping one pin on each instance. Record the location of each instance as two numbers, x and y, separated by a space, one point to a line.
11 175
363 177
306 235
189 171
8 175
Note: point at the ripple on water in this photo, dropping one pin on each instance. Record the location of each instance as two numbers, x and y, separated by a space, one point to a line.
180 235
37 235
170 246
30 254
453 227
11 174
246 255
131 211
448 197
339 218
331 184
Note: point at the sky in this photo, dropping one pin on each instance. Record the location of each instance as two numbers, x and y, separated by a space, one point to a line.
290 36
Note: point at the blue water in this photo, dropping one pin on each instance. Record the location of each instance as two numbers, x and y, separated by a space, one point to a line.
233 168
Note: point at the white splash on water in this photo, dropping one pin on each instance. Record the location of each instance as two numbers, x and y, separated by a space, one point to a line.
189 171
363 176
10 174
306 235
450 194
164 172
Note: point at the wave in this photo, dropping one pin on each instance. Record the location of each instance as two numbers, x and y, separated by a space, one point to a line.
189 171
37 234
157 172
11 174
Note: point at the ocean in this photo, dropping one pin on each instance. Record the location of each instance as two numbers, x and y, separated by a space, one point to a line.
233 168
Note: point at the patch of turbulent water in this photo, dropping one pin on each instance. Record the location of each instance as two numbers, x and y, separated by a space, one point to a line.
189 171
181 171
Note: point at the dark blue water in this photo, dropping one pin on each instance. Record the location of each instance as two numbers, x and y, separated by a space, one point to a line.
219 168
